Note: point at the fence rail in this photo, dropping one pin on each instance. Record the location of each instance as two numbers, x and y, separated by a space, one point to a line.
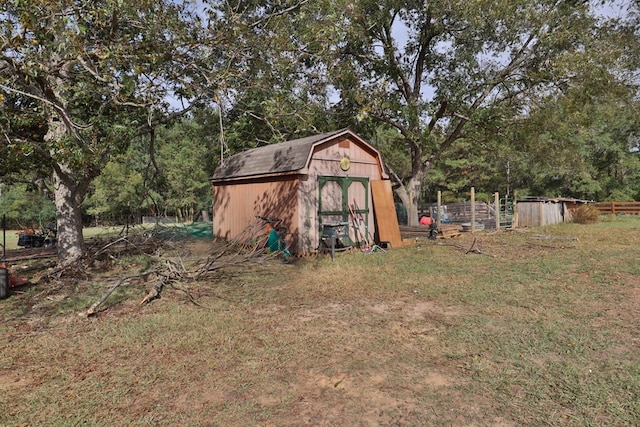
613 208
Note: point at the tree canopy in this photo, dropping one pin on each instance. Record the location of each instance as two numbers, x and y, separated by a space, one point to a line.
440 74
86 78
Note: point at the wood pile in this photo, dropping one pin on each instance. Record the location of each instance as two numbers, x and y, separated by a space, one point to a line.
446 231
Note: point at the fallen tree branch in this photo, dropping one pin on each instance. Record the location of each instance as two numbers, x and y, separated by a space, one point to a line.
154 293
477 250
108 245
187 293
92 310
247 247
472 249
168 274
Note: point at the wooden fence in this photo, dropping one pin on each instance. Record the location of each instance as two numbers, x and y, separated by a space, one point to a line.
613 208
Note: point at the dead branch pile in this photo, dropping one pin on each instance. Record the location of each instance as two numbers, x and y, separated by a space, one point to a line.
172 266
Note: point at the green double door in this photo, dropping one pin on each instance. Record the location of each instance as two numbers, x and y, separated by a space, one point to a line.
336 194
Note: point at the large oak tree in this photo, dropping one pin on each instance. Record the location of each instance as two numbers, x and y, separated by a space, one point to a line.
89 76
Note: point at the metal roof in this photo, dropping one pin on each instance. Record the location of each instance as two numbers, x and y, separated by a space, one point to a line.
275 159
551 199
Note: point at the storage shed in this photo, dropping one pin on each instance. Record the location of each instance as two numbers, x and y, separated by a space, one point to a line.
308 183
536 211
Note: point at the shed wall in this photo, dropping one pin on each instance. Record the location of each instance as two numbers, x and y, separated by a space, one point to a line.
236 205
535 214
325 162
326 159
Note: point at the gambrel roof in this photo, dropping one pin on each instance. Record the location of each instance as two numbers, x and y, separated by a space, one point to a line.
291 157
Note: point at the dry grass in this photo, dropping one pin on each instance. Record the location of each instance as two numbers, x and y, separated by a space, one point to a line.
535 328
586 214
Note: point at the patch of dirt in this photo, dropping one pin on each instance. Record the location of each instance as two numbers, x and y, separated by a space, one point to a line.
415 309
10 381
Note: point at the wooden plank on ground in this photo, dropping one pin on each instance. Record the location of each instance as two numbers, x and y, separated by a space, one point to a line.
447 234
385 213
446 231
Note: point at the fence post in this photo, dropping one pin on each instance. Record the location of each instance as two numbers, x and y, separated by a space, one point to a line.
514 221
496 199
439 204
473 210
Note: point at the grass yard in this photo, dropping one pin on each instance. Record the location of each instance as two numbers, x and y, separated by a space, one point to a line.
540 327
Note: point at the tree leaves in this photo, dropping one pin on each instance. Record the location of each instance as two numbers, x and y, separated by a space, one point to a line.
442 66
99 73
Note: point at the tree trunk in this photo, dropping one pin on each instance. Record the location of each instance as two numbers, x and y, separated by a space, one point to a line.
69 190
68 201
408 194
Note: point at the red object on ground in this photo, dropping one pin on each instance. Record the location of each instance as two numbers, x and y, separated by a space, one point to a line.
13 280
426 220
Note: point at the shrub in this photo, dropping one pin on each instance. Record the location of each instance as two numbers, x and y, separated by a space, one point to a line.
586 214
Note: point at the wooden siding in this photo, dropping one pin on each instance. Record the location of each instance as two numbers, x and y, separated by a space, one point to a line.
385 213
308 237
236 206
325 162
326 159
535 214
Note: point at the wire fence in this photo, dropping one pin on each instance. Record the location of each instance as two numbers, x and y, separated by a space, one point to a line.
463 214
467 215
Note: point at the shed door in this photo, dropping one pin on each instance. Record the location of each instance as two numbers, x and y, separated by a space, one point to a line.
336 194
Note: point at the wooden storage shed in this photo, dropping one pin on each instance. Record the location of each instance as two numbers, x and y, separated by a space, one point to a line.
307 182
537 211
